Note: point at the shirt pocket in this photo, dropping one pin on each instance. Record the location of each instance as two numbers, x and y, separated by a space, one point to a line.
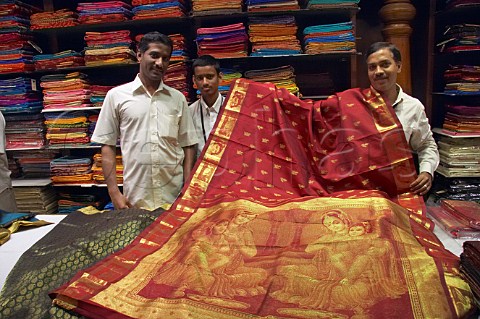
168 126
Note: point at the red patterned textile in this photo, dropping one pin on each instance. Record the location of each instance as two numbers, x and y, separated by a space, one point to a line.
297 210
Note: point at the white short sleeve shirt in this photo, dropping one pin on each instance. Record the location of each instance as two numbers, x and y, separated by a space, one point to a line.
152 130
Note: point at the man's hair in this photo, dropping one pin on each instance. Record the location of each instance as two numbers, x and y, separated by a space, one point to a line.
385 45
206 60
152 37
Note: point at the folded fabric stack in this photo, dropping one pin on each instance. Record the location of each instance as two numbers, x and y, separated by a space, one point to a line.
114 47
459 157
470 267
98 176
462 80
271 5
318 4
229 41
98 93
209 7
16 46
68 202
57 19
20 103
38 200
282 77
229 76
462 119
336 37
460 37
157 9
461 3
65 129
35 163
92 122
65 91
459 219
103 12
64 59
315 83
273 36
71 170
467 188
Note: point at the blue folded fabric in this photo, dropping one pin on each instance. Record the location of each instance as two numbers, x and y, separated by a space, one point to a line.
349 37
156 6
329 27
271 52
8 218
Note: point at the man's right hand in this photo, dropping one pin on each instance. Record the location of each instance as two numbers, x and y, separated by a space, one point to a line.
120 201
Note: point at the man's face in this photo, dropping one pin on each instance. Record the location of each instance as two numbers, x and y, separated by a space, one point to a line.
154 62
383 70
206 79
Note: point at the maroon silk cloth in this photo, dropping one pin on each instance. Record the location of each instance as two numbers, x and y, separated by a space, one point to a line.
296 210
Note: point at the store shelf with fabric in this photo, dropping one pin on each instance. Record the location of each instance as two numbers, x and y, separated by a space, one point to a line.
456 99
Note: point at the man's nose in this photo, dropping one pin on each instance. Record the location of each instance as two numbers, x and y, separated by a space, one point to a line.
159 61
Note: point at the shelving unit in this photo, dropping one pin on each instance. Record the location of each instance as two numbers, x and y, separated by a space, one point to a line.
341 66
458 176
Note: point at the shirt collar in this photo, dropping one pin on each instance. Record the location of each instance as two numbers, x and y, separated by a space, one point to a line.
137 84
399 98
215 107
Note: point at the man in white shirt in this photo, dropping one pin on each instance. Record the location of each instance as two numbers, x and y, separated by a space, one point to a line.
384 63
7 197
156 132
206 76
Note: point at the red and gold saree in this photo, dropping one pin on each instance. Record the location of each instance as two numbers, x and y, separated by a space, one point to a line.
298 209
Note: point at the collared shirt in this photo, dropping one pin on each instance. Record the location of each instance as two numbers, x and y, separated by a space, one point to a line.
411 113
198 109
152 131
5 181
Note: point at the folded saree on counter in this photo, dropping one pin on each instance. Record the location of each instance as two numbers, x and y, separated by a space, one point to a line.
296 210
470 266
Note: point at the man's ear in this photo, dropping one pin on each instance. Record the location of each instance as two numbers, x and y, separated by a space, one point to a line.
399 64
220 75
139 56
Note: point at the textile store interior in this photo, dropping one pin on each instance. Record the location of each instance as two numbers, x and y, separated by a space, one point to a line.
285 262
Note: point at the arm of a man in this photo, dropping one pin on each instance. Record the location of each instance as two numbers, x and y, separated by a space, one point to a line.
109 169
189 160
424 145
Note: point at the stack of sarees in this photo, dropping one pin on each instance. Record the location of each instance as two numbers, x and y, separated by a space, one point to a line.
98 175
16 42
35 163
271 5
229 77
460 37
66 92
70 202
273 36
114 47
325 38
458 218
55 19
228 41
222 7
36 199
462 80
470 267
157 9
20 103
461 3
103 12
282 77
64 59
71 170
319 4
462 118
459 157
98 93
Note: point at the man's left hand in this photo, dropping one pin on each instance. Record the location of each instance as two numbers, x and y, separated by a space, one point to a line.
422 184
